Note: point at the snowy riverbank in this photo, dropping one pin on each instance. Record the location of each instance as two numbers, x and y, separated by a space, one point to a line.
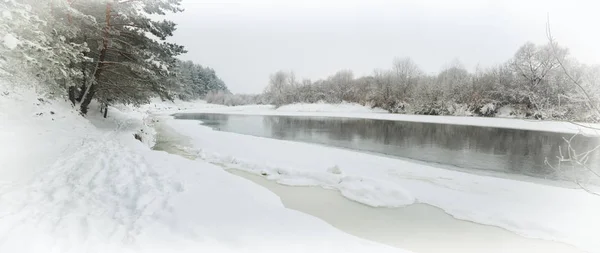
73 184
526 208
349 110
413 227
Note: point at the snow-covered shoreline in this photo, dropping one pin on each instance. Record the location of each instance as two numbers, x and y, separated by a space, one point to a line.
413 227
74 184
347 110
529 209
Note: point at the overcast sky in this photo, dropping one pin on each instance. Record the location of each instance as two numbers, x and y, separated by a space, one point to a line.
246 41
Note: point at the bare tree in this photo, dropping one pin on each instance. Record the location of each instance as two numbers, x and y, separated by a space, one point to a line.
452 81
576 161
407 73
383 86
277 88
529 85
341 83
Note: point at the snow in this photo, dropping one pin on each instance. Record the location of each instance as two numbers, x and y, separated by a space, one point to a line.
324 107
506 111
71 184
346 110
526 208
74 184
6 15
487 108
10 41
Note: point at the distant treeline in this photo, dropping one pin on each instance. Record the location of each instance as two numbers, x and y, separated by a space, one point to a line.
532 84
192 81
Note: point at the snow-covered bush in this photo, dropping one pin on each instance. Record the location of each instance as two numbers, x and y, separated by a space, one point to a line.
507 111
488 110
459 110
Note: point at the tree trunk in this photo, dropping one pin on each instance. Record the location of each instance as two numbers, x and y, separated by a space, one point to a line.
88 95
81 92
72 95
105 110
84 80
88 98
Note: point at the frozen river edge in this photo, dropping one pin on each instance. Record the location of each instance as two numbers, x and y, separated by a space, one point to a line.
413 227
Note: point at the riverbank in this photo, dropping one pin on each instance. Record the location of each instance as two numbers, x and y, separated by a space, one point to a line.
358 111
74 184
528 209
412 227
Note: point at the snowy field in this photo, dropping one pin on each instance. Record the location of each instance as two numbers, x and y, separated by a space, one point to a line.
526 208
349 110
73 184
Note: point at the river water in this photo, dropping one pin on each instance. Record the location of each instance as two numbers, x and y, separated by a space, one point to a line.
466 147
418 227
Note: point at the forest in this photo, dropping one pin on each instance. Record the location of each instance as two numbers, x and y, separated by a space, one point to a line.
109 51
532 84
539 82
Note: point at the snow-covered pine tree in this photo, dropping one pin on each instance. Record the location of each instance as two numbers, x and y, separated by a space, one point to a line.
194 81
131 58
39 45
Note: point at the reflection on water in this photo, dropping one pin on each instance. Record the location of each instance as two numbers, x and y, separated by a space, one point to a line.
469 147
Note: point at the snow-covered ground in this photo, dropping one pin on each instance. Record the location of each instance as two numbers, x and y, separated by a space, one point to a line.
71 184
349 110
529 209
413 227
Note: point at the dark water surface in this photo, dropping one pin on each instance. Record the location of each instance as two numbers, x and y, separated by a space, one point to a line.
468 147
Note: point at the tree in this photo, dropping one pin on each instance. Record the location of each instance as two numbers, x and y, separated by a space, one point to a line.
278 87
528 85
37 44
341 83
577 160
132 60
407 73
107 50
453 81
533 66
383 86
192 81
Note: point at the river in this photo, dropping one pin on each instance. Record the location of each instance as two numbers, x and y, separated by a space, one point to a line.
418 227
510 151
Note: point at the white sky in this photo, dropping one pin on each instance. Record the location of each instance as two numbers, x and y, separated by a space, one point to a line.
245 41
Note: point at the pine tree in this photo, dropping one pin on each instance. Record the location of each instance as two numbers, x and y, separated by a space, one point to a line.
195 81
132 59
38 44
